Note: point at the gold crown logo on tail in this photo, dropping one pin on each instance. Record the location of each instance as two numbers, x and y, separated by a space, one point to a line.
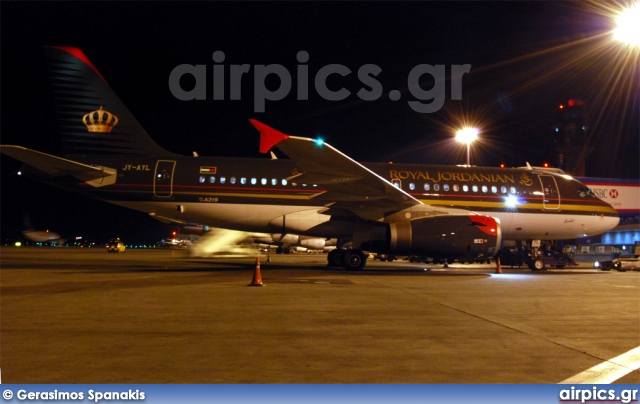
100 121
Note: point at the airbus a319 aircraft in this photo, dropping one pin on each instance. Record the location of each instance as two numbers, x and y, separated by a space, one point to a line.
401 209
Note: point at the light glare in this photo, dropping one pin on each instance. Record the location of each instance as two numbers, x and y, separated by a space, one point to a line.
467 135
511 201
628 26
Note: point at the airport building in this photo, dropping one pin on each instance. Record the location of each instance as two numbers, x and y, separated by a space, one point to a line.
624 196
570 138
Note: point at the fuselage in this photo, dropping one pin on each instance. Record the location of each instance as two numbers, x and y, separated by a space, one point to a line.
435 211
261 195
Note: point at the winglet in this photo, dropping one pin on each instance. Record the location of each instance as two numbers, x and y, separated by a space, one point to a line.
269 137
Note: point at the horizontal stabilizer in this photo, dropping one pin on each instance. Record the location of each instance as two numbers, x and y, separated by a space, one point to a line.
168 220
54 166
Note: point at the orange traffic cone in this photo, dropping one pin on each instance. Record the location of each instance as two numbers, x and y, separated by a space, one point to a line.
257 278
498 267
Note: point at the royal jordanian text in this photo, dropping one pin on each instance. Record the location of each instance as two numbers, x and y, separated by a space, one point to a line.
91 395
449 176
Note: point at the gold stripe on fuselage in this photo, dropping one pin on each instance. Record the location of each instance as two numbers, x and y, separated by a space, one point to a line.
526 205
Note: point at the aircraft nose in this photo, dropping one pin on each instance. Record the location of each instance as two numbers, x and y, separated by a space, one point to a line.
610 219
613 222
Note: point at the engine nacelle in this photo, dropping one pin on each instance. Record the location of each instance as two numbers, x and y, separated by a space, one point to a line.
313 243
446 236
287 239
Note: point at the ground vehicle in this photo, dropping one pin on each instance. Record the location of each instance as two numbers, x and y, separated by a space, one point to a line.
553 259
537 259
627 264
115 246
606 265
512 257
624 263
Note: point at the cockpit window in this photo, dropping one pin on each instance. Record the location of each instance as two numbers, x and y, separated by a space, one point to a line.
586 193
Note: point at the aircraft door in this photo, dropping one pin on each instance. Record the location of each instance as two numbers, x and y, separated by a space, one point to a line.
551 199
163 178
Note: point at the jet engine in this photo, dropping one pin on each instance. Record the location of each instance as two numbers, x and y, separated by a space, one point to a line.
455 236
448 236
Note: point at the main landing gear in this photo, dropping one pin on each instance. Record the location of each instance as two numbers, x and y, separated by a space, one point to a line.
350 259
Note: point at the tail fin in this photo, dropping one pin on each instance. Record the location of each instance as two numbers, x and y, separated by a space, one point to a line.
91 118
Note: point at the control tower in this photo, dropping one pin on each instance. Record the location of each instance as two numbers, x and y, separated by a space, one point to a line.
571 137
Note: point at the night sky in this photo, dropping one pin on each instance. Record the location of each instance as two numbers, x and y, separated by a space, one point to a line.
526 58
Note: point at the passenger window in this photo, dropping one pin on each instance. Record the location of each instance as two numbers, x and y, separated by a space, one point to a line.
412 186
243 180
485 188
456 187
503 189
274 181
436 187
254 181
465 188
264 181
233 180
513 190
212 179
427 187
223 180
201 180
475 188
445 187
494 189
284 182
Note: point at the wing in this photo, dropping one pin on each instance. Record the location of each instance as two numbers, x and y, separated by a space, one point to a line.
349 184
56 166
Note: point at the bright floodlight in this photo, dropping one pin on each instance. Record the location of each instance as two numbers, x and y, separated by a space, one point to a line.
467 135
628 26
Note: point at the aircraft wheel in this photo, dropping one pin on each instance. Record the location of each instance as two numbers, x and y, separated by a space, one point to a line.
354 260
538 265
335 258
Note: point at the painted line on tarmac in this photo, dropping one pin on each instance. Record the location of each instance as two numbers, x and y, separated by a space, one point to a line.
609 371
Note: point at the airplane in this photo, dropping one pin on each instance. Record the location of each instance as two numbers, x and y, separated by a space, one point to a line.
40 236
403 209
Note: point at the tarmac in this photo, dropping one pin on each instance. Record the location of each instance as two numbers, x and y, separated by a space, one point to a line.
80 315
